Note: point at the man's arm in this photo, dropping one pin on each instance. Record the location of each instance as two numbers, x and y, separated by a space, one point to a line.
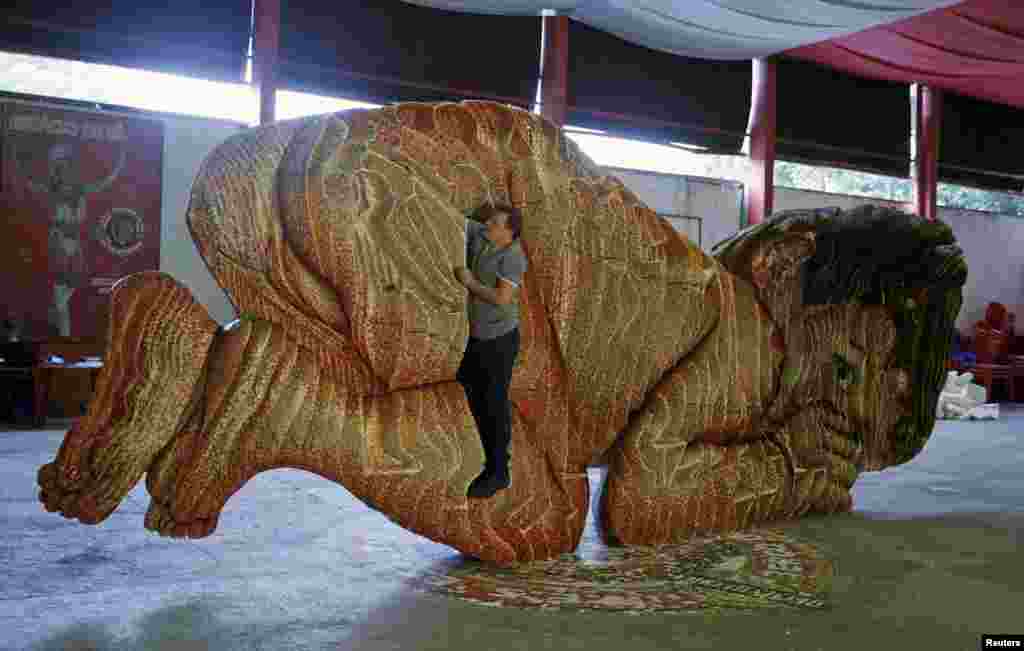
474 230
510 275
511 268
502 295
499 296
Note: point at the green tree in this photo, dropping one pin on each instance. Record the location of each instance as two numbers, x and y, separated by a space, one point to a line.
843 181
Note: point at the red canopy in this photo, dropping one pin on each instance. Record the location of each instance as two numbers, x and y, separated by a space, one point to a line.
975 48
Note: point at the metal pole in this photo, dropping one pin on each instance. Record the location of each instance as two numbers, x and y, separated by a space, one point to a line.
266 52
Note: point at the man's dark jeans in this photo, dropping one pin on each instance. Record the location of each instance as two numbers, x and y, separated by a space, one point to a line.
485 374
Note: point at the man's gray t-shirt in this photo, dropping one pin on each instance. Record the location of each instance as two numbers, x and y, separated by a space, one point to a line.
486 320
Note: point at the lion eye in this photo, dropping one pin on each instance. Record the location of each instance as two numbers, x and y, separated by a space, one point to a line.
845 372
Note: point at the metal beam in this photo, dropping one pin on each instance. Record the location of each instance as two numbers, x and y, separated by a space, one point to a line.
267 45
554 85
928 115
761 184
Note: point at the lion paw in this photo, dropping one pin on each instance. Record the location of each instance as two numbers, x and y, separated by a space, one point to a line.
160 518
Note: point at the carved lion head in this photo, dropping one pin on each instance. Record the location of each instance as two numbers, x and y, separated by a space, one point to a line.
866 299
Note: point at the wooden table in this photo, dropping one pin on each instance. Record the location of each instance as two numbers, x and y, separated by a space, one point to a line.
77 354
988 374
41 375
1016 371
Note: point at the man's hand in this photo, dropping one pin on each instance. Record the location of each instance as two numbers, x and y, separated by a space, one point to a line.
464 275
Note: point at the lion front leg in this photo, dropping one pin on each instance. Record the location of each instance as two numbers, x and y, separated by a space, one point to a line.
692 459
664 488
696 489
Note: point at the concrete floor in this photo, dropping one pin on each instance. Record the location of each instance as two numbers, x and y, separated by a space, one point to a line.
930 559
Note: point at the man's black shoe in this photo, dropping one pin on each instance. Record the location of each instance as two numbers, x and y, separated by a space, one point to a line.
488 484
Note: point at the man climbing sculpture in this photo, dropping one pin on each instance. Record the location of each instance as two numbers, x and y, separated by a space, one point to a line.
497 265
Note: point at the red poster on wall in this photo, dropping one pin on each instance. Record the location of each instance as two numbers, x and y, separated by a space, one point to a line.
81 209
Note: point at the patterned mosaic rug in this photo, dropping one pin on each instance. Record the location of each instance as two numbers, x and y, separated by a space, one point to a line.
744 571
740 571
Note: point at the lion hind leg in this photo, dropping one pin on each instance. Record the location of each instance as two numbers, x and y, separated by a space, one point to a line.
158 341
410 454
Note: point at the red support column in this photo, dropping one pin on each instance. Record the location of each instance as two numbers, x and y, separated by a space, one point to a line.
554 85
761 127
266 47
926 147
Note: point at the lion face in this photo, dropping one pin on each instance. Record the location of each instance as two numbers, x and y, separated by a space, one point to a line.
848 397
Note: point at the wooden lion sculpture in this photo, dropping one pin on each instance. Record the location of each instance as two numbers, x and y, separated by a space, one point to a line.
725 392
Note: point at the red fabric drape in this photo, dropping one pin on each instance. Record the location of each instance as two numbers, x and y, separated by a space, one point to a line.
975 48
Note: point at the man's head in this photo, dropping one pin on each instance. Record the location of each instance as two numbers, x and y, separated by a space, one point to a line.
503 221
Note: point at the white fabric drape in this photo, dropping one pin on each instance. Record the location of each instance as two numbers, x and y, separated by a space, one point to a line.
713 29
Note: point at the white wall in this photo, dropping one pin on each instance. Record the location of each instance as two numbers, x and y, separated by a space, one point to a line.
716 202
187 141
790 199
995 267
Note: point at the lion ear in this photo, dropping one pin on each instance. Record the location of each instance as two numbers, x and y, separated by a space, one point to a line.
774 266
